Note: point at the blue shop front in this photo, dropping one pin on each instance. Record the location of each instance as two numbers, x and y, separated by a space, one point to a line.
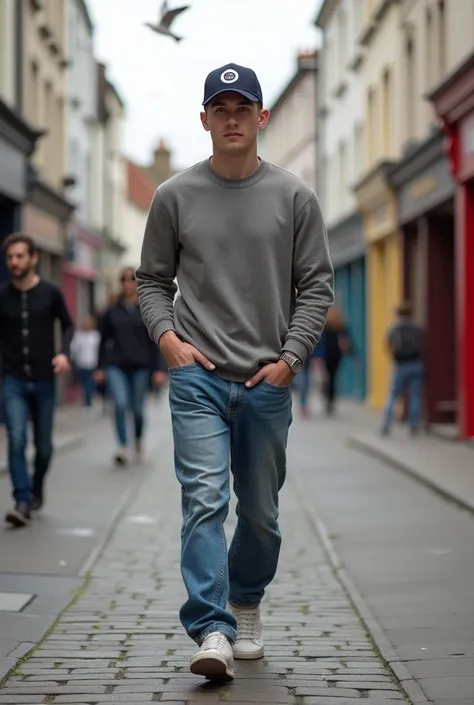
347 251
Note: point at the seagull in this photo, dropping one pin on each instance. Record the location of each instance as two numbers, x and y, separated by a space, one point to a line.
166 19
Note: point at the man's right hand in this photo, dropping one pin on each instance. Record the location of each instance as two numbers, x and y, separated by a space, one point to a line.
179 354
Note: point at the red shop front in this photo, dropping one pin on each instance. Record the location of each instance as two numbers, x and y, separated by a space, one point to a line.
454 103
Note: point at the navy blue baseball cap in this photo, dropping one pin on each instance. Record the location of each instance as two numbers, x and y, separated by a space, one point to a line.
232 77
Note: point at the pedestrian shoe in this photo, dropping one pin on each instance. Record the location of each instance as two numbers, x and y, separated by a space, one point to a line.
120 459
214 660
19 516
249 644
37 500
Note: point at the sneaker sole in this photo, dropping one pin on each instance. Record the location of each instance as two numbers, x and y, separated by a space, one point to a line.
16 519
245 656
212 668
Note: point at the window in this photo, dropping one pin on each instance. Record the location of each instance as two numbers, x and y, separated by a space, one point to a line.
411 87
430 73
387 115
371 128
358 149
343 44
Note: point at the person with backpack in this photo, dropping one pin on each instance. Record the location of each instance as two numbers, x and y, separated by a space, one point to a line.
405 344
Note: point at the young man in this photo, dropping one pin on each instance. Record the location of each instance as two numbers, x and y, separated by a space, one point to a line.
248 245
29 308
405 344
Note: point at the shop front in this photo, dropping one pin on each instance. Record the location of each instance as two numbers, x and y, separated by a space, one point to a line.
17 142
346 243
454 104
80 271
376 205
424 191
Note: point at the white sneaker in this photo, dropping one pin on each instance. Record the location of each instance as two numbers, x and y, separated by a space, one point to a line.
214 660
249 644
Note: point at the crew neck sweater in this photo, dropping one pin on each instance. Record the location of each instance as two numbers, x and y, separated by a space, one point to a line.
252 264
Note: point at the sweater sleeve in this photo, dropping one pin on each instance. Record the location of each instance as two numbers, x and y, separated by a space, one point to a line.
67 326
157 271
313 278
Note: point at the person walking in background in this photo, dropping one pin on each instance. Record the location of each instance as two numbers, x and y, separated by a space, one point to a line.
127 359
405 345
29 310
85 353
334 344
248 244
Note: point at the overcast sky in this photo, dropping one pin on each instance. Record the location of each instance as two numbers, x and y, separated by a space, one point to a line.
161 81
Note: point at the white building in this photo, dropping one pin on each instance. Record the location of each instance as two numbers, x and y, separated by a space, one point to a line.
341 163
289 140
81 270
140 191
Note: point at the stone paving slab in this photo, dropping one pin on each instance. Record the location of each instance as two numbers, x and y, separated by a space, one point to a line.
122 642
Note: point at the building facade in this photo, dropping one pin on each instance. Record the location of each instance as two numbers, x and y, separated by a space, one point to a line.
44 62
109 185
340 163
289 139
84 240
381 70
17 138
140 192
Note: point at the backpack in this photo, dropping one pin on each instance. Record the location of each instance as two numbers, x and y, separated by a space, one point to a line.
406 342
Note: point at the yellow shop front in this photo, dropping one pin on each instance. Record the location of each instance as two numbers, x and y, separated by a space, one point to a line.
376 205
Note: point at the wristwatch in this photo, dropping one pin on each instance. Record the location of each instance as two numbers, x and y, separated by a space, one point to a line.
293 361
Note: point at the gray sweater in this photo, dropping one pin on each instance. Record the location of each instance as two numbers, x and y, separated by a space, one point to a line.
252 262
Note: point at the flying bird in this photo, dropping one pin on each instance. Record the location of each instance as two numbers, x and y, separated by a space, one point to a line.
166 19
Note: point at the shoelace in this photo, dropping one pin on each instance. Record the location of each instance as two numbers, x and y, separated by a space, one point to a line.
216 641
248 624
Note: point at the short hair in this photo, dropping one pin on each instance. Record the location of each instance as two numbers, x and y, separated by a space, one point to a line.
404 310
124 272
20 238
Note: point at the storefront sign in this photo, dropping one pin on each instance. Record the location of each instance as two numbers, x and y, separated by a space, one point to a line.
12 171
430 188
46 230
467 147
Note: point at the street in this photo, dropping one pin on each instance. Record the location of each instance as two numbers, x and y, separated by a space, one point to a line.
372 599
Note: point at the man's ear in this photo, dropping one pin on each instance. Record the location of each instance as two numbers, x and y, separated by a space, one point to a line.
263 118
204 121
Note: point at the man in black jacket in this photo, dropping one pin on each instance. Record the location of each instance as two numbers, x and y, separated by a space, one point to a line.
29 309
128 361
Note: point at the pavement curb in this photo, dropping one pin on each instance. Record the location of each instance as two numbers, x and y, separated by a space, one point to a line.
69 443
386 457
407 682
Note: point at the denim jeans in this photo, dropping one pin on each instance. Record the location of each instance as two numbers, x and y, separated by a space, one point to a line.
407 376
218 427
128 389
86 378
22 399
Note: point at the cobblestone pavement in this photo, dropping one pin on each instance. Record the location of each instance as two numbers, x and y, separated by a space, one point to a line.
121 641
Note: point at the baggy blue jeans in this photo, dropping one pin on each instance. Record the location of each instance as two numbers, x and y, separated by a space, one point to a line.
128 389
22 399
407 376
221 426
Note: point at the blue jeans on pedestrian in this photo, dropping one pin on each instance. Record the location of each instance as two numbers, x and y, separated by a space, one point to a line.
86 378
128 389
218 427
22 399
407 376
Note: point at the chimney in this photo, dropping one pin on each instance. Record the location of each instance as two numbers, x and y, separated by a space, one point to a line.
160 170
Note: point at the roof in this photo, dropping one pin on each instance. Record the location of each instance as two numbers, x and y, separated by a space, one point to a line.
140 188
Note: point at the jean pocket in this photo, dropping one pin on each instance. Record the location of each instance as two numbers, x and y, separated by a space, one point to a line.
182 368
281 388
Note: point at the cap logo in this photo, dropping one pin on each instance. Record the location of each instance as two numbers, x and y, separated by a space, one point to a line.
229 76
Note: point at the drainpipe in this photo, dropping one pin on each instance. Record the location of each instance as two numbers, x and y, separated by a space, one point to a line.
19 59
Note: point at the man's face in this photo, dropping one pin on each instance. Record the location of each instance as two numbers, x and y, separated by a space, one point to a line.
20 262
233 122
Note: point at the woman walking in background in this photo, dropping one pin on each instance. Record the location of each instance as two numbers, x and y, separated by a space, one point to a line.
334 344
127 359
85 352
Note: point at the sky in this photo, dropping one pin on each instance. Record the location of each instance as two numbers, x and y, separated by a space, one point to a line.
161 81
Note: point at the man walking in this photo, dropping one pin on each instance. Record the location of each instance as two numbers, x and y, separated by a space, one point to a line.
405 345
248 245
29 308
